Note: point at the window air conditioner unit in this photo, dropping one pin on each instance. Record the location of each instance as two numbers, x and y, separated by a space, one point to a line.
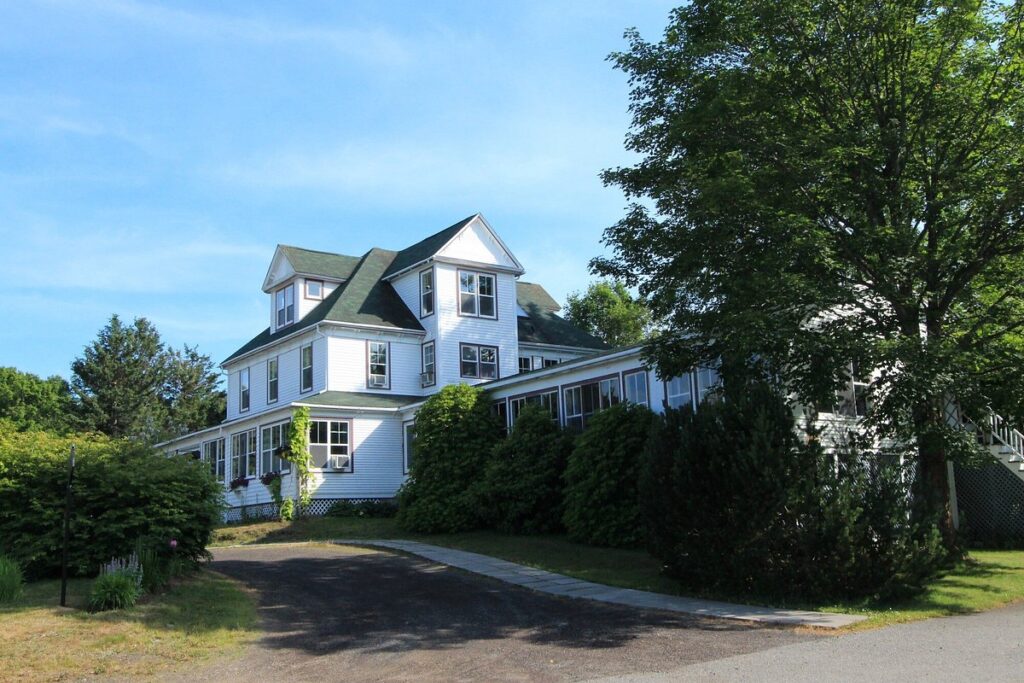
340 462
426 378
378 381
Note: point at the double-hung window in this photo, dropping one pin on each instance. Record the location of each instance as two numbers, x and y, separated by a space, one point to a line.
284 304
478 362
853 399
213 455
272 380
525 364
707 380
428 378
306 368
636 388
477 294
679 391
272 440
330 445
377 375
426 293
243 454
243 390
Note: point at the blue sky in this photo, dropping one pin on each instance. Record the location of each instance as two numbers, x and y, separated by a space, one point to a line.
152 154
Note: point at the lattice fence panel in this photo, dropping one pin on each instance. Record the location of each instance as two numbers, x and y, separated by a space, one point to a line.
991 503
250 513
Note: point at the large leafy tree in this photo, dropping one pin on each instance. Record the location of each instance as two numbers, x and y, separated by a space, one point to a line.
609 312
827 181
33 403
128 384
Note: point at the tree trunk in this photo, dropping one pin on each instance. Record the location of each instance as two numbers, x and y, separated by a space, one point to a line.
934 473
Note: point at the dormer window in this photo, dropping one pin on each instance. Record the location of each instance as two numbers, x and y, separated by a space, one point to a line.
285 305
477 295
315 289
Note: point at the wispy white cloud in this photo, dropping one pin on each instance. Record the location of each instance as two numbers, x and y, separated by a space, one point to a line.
45 257
371 44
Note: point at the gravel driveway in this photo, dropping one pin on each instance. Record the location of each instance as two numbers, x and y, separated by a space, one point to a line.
333 613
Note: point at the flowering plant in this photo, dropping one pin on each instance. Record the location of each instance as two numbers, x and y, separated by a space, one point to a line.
269 478
239 483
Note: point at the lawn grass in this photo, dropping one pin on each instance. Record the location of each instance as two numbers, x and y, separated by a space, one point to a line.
199 617
987 580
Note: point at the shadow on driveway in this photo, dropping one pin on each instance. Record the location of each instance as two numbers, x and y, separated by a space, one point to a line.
374 615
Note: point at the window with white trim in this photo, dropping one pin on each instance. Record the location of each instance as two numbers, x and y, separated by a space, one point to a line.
213 455
679 391
243 454
429 378
330 446
315 290
272 440
377 365
852 400
547 400
478 362
525 364
477 294
306 368
272 380
636 388
284 300
580 402
409 446
243 390
426 293
707 380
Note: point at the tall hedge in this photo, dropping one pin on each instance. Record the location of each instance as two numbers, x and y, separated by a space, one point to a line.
122 493
453 437
601 500
735 499
523 482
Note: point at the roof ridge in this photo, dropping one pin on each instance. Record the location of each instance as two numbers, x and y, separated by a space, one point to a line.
316 251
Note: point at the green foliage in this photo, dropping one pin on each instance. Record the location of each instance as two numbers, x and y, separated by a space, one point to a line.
601 505
735 501
287 510
128 384
799 159
32 403
454 434
122 492
523 482
609 312
158 564
374 508
298 454
11 580
114 590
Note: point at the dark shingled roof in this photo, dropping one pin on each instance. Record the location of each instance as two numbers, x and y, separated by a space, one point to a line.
425 248
543 326
310 262
353 399
362 299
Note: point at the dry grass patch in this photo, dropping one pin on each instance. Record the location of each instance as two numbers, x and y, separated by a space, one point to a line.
203 616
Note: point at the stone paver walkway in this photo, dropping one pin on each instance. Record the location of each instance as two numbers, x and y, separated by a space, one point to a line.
566 586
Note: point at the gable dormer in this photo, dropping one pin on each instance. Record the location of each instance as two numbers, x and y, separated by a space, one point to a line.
299 279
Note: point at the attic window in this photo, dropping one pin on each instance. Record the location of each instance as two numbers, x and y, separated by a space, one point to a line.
476 295
284 304
314 289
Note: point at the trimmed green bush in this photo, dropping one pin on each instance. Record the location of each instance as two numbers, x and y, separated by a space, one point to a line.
11 579
523 481
363 508
122 492
454 434
601 504
114 590
736 500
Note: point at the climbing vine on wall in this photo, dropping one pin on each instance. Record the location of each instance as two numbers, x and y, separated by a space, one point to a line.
298 454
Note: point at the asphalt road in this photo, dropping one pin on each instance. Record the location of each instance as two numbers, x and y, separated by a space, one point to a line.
346 614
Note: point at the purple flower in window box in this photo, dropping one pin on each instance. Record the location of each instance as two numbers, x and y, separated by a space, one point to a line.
239 483
269 478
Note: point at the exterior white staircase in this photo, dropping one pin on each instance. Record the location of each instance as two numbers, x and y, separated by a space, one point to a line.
1003 441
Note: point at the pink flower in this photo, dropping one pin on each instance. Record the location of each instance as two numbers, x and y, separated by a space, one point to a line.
174 543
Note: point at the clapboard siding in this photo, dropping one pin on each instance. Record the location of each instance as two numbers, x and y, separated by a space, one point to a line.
455 329
348 363
377 461
288 375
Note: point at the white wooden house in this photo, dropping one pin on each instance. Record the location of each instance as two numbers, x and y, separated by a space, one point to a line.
363 340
